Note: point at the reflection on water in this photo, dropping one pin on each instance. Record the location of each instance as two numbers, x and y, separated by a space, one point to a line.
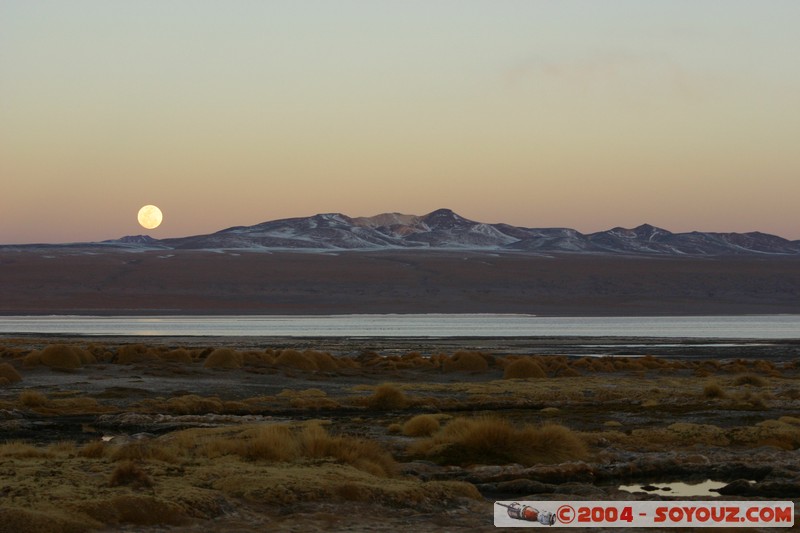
677 488
426 325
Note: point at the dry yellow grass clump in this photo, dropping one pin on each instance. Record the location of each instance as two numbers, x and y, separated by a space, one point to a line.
713 390
283 443
71 405
464 361
387 397
192 404
143 450
22 450
178 355
134 353
325 362
297 360
8 374
750 379
421 426
32 398
60 357
307 399
224 358
130 474
522 369
780 433
491 440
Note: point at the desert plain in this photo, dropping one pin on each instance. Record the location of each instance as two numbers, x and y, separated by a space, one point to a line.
98 279
315 434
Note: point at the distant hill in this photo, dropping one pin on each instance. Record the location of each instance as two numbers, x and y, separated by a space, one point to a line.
445 230
393 263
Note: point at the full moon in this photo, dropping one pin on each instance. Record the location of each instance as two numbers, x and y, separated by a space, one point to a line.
150 217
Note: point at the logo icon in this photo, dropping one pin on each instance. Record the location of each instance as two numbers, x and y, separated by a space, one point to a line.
529 514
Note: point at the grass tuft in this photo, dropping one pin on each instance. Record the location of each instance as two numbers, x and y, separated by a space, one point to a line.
130 474
465 361
523 369
143 451
59 357
387 397
9 373
421 426
22 450
191 404
93 450
224 358
297 360
713 390
32 398
134 353
750 379
366 455
138 510
178 355
491 440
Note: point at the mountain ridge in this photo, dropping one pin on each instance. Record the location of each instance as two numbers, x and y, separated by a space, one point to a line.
443 229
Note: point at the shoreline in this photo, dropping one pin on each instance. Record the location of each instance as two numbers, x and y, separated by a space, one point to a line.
571 346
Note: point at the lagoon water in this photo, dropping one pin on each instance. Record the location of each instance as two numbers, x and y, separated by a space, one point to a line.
412 325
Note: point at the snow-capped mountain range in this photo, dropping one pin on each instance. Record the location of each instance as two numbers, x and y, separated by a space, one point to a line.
445 230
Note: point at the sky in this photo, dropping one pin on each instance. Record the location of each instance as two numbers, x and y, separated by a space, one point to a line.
581 114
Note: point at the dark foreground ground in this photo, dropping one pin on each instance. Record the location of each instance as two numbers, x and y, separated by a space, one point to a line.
100 280
255 434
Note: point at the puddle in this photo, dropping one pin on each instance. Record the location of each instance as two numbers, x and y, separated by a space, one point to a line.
677 488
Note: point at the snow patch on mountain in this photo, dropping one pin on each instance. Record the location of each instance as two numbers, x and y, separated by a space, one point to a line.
444 229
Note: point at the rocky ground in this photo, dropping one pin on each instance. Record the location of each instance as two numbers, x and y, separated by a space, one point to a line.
226 434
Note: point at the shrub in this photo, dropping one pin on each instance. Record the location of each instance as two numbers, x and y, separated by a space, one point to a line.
713 390
43 521
464 361
32 398
143 450
765 367
257 358
22 450
223 358
57 356
756 401
421 426
191 404
138 510
284 443
178 355
271 442
308 399
295 359
93 450
365 455
568 372
553 443
489 440
750 379
87 357
130 474
522 369
9 372
134 353
324 361
387 397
